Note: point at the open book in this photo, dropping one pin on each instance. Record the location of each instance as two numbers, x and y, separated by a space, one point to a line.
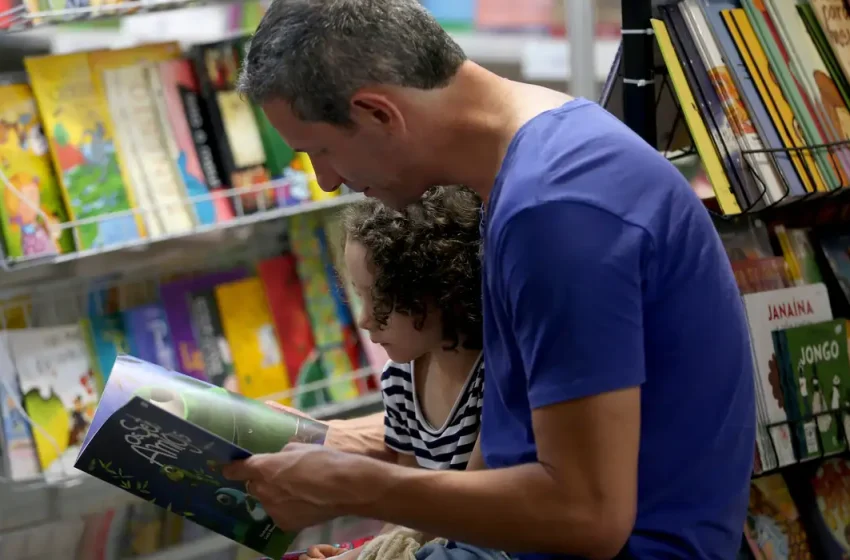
163 436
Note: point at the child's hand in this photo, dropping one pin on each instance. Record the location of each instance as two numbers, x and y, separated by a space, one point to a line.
321 551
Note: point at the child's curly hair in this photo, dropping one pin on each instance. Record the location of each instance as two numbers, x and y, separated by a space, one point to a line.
426 255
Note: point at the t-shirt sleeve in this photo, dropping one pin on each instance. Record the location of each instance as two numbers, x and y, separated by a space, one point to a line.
396 434
572 276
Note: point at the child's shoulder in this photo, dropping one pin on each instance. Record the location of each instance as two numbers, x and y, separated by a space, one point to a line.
395 369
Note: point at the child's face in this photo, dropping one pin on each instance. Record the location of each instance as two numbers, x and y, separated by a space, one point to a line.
399 337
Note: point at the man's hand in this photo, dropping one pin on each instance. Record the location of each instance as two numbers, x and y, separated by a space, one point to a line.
363 436
305 484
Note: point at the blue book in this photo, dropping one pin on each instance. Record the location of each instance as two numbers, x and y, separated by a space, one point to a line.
163 437
453 13
148 338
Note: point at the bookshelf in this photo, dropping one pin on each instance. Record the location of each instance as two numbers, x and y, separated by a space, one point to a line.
46 289
724 81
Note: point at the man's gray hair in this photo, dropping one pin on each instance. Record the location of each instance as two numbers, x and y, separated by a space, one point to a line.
315 54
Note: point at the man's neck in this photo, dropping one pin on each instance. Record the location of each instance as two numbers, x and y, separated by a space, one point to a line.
480 115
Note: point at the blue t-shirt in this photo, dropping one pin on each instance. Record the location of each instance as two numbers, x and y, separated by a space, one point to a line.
603 271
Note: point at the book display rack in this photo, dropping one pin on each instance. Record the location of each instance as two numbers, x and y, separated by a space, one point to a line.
145 208
757 91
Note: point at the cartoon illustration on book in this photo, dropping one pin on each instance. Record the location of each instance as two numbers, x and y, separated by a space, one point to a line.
37 226
59 392
163 436
774 521
31 204
831 488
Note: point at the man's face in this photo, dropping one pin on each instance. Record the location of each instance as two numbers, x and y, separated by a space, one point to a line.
367 157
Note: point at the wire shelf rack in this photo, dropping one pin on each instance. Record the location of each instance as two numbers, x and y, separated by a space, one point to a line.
20 19
141 253
34 503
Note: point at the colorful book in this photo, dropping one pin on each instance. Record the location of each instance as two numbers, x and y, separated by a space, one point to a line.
816 374
767 312
194 154
146 331
826 506
79 131
175 299
209 334
59 392
774 521
249 327
163 436
18 447
292 324
240 156
31 206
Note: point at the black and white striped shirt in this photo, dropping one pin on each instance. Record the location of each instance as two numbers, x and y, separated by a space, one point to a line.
407 431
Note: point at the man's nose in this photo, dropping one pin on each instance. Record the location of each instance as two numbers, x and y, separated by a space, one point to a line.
328 180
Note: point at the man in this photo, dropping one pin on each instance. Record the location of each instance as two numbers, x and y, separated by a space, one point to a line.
618 416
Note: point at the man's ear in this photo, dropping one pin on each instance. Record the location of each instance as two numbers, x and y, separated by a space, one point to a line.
373 108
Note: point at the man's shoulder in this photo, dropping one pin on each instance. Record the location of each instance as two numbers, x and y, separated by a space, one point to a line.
585 157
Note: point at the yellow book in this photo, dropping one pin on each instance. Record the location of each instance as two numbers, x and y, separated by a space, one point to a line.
704 145
31 205
135 165
118 58
79 133
249 328
774 101
316 193
790 256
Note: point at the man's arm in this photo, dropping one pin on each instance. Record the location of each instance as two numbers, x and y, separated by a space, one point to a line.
361 436
577 311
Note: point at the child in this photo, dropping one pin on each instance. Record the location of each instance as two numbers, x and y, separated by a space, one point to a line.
418 273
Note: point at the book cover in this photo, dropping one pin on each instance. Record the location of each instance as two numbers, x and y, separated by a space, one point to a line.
80 135
147 335
709 104
774 100
181 74
59 392
712 159
209 334
814 77
158 186
810 126
819 383
767 312
240 156
18 447
774 521
33 204
292 324
162 436
175 297
761 275
310 255
249 327
107 338
178 80
738 104
826 504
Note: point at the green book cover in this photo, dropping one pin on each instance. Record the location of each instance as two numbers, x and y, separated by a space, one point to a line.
819 372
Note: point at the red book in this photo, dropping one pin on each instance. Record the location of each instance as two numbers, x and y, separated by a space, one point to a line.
286 302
